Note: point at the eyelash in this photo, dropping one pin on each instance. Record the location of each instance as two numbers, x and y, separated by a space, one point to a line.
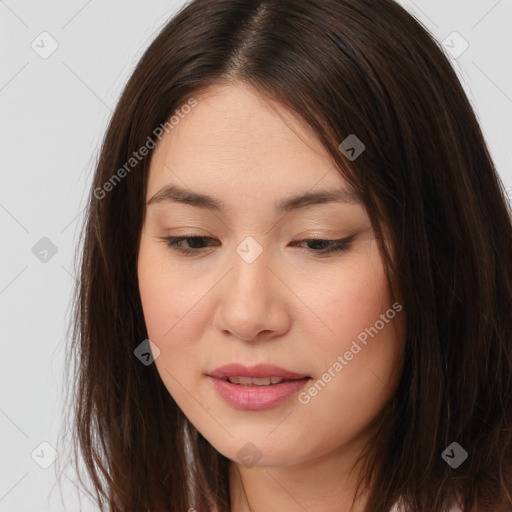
337 246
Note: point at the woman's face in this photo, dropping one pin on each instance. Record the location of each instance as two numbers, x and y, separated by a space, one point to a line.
255 290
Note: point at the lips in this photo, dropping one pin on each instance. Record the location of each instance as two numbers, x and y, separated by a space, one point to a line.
258 375
257 387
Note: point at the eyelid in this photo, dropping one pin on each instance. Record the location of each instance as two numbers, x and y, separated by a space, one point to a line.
337 245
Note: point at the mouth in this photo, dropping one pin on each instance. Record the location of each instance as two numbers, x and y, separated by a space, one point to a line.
256 387
258 381
258 375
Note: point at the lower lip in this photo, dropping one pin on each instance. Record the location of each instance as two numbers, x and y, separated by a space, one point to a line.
257 397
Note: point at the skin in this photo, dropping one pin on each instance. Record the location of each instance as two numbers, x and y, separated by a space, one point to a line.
290 307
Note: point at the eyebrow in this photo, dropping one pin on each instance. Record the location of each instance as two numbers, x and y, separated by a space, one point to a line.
174 193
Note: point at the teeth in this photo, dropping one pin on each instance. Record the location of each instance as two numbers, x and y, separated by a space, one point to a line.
250 381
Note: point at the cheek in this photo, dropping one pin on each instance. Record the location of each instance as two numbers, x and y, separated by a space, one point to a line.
350 301
361 359
168 298
361 349
176 313
172 314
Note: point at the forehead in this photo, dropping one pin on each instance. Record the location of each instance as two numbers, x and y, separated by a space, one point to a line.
237 142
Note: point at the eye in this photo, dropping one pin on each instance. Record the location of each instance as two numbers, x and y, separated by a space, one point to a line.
196 244
322 247
174 242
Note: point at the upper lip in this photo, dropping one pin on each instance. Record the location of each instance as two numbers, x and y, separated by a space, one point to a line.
257 371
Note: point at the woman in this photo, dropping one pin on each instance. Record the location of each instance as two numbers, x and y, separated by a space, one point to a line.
295 285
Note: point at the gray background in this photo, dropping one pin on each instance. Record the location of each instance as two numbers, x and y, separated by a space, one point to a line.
53 112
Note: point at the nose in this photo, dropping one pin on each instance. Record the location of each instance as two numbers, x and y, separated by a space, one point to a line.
252 301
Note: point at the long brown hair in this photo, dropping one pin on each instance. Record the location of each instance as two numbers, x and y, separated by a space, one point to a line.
363 67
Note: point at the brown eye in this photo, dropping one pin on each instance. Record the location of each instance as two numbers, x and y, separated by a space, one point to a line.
195 242
321 246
